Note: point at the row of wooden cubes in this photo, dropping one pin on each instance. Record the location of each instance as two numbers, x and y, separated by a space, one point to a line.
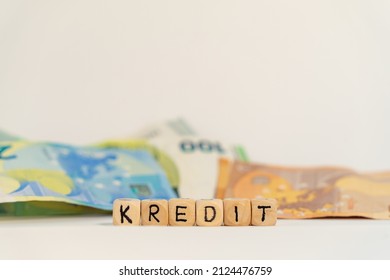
190 212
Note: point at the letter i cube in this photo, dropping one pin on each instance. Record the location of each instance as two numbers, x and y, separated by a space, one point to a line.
126 212
237 212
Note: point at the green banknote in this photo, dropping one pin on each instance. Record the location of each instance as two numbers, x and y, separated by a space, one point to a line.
189 160
70 175
4 136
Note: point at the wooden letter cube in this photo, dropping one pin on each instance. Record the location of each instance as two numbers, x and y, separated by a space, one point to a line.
209 212
181 212
237 212
154 212
126 212
264 212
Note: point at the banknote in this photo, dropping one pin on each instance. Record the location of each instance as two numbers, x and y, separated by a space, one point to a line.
190 160
4 136
308 192
85 176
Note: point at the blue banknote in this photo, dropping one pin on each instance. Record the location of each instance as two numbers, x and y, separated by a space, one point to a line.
87 176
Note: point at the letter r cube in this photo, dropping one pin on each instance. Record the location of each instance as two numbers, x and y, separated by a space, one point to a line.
154 212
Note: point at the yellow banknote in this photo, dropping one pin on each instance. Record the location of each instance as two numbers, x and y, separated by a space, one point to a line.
308 192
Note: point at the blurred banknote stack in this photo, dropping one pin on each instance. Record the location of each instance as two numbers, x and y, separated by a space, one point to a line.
169 160
163 161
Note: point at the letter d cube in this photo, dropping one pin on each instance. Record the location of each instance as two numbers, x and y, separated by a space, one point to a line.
209 212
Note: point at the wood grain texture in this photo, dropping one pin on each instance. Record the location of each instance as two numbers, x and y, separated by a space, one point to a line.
264 212
154 212
126 212
209 212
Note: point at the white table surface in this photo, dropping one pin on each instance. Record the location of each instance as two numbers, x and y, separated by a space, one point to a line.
95 237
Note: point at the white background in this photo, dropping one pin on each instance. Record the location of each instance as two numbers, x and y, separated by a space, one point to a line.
296 82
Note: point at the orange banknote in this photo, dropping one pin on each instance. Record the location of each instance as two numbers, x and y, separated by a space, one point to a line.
308 192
